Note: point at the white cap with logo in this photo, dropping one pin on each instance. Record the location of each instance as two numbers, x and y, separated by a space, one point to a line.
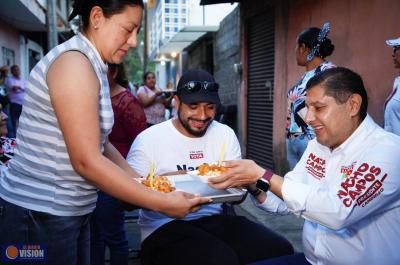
394 42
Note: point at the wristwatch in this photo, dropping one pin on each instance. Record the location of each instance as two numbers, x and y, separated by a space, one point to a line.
263 182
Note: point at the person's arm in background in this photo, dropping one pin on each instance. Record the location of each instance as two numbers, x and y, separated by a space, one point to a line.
145 99
74 89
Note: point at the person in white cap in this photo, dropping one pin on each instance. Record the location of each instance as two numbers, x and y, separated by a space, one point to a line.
392 103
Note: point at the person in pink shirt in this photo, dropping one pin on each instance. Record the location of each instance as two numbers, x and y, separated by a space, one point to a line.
152 99
16 90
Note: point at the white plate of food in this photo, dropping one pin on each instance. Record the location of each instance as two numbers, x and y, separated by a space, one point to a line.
196 184
206 171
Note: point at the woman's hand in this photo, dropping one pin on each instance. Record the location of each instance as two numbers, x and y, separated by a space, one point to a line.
178 204
240 173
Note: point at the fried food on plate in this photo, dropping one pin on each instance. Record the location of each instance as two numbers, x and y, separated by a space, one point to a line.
209 170
158 183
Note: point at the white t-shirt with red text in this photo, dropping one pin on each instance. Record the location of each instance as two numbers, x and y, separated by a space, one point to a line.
169 150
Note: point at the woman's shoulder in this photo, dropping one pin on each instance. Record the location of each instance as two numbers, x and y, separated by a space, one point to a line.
125 96
71 63
142 89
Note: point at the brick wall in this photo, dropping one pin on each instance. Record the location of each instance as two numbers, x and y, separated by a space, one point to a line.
226 54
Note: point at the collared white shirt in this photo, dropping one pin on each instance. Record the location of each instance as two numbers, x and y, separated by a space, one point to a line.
349 197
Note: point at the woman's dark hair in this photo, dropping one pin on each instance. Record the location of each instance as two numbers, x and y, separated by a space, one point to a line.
146 74
309 38
340 83
120 78
109 7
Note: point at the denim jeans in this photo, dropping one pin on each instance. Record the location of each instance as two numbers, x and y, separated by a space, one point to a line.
15 112
295 148
296 259
107 229
67 238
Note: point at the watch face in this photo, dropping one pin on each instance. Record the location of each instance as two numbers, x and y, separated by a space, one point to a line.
262 185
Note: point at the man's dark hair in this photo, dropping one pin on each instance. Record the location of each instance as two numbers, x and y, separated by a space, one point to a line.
340 83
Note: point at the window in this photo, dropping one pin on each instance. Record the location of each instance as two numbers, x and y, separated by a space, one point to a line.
8 56
166 10
166 1
176 20
183 10
167 19
175 10
183 20
183 1
34 58
176 29
166 29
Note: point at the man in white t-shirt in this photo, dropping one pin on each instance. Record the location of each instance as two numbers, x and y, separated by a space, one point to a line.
183 143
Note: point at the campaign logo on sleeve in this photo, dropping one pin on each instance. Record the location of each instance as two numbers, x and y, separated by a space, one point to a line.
315 166
364 185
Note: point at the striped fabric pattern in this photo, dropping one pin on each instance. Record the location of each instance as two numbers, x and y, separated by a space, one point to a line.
41 176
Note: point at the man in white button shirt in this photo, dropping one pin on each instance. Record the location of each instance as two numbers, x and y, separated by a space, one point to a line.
346 185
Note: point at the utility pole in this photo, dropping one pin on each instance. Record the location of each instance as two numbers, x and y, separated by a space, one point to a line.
52 36
145 39
204 15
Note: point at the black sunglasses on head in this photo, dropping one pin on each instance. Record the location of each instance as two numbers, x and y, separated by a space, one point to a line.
196 86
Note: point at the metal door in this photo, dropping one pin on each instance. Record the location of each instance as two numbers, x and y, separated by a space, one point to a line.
260 43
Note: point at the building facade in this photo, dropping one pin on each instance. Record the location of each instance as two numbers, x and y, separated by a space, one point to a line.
23 39
174 25
268 32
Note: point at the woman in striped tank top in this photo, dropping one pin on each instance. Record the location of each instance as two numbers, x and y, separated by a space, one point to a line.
63 154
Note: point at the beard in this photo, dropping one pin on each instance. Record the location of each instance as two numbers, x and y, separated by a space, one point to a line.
185 124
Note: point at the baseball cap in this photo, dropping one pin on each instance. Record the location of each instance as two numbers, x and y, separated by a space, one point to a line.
198 86
393 42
